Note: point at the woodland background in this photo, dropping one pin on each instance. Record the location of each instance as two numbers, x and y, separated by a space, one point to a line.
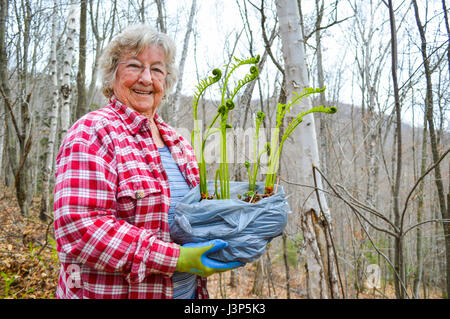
383 169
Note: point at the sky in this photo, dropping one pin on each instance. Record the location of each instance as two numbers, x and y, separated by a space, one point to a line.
218 22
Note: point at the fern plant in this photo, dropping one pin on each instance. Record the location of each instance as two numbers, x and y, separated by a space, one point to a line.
223 111
276 145
253 171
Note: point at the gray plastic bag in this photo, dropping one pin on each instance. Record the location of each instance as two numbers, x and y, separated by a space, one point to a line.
247 227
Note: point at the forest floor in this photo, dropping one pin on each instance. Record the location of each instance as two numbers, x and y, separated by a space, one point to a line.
29 263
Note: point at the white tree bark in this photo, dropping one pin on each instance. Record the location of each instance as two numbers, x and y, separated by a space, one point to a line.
48 168
66 90
303 153
304 139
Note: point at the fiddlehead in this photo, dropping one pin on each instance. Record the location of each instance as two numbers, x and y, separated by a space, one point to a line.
248 78
202 86
254 72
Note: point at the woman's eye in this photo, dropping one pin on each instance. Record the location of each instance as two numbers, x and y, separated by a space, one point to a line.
134 66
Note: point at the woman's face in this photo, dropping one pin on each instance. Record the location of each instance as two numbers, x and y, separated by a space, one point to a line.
140 80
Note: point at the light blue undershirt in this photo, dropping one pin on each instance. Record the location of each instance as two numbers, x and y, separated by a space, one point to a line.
184 284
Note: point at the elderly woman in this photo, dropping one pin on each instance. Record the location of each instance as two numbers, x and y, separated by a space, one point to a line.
120 172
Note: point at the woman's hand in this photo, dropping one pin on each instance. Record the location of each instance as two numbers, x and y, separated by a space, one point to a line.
193 258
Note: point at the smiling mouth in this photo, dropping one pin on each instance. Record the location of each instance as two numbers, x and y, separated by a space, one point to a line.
143 92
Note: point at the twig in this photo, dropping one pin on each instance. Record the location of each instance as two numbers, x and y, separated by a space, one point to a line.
417 183
46 238
325 27
357 212
308 186
338 195
368 236
11 112
267 42
425 222
369 209
252 197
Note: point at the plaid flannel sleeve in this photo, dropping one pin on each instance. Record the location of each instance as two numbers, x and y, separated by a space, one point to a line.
86 228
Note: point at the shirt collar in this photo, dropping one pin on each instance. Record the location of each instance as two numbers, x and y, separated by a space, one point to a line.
132 119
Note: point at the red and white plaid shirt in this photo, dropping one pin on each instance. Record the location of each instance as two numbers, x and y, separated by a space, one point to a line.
111 203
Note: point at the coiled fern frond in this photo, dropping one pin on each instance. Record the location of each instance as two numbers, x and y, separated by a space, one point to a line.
202 86
254 72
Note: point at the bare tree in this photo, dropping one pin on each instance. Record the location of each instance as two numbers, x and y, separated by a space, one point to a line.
103 24
4 85
81 75
20 120
399 262
445 213
420 211
321 82
447 27
176 96
161 20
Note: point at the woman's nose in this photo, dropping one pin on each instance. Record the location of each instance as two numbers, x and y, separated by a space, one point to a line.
146 76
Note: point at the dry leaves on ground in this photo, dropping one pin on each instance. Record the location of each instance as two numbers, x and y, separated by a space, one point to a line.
28 259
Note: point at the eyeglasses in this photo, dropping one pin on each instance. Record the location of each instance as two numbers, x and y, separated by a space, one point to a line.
136 68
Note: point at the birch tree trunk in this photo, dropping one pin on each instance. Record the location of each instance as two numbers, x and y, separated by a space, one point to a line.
303 155
66 89
49 152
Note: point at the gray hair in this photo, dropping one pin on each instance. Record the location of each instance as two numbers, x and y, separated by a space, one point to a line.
135 39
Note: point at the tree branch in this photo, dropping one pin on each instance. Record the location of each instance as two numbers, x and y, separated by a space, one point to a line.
417 183
426 222
325 27
267 42
13 118
357 214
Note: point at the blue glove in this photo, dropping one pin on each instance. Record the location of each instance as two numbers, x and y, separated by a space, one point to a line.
194 258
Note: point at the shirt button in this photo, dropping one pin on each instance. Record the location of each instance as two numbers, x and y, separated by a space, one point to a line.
139 194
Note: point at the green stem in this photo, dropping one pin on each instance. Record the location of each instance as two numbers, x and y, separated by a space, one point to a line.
224 164
258 165
273 150
215 184
249 177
